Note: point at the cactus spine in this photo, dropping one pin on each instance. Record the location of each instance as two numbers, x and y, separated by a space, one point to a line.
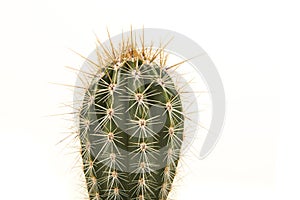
130 125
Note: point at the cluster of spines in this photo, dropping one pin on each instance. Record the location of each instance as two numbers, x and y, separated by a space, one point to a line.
99 125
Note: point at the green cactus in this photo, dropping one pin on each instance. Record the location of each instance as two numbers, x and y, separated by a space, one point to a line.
130 125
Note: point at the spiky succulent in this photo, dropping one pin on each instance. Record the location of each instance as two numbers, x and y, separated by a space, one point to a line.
130 124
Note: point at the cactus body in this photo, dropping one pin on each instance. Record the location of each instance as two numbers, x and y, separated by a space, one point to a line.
131 127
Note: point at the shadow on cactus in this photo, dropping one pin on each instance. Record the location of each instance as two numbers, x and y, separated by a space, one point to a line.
131 124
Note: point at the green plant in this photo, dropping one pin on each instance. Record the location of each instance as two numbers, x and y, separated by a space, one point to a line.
130 124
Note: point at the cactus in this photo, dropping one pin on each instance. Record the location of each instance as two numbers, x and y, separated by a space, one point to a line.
130 125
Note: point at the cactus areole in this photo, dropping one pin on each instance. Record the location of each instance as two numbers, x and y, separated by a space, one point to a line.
131 125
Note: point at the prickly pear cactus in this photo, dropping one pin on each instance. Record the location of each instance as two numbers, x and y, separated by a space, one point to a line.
131 125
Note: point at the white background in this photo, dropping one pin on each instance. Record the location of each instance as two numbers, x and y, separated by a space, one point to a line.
254 45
